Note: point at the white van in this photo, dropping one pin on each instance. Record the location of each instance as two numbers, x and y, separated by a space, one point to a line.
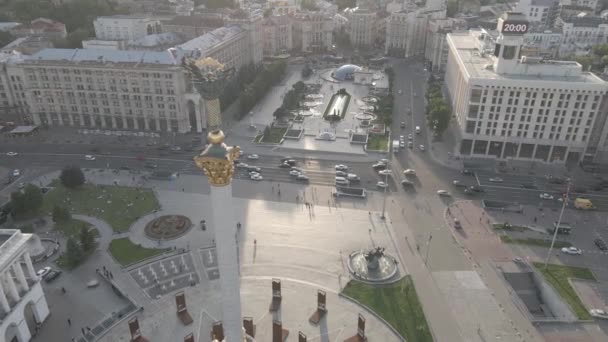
417 129
353 177
342 181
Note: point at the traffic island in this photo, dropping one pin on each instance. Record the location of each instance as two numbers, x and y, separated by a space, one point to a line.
396 303
167 227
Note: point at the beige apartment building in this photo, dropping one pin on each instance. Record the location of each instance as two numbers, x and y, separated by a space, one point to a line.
107 89
312 32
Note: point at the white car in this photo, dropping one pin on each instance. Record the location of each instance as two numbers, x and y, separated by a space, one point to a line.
383 161
421 147
410 137
409 172
341 174
399 91
251 173
257 177
89 157
597 313
253 157
496 180
572 250
294 173
402 144
382 185
546 196
443 193
16 173
41 273
385 172
11 154
242 165
402 138
341 167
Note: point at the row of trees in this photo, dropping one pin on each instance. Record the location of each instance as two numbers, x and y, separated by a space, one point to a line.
597 60
268 77
437 111
77 247
291 100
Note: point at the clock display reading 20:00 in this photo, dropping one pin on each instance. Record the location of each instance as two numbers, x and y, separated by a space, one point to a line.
508 27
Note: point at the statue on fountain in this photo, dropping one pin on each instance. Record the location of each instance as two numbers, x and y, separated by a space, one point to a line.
373 256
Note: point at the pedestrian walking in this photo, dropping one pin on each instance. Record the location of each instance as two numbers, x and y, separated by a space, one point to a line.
83 333
69 322
63 290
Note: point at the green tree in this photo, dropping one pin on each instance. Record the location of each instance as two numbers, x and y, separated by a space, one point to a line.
87 240
72 177
73 252
600 50
5 38
452 8
215 4
27 201
61 214
342 4
309 5
306 71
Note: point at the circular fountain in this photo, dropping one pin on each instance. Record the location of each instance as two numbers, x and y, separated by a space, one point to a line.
374 265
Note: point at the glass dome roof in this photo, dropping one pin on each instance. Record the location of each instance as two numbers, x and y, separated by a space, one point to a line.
346 72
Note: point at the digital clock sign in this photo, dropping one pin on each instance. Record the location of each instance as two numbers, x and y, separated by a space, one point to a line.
514 27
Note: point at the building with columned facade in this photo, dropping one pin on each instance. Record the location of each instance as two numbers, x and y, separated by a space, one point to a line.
125 27
312 31
106 89
23 305
509 106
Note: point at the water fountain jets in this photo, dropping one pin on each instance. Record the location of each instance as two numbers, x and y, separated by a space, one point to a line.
373 265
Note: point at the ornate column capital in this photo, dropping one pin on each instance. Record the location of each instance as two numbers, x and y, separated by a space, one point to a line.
217 160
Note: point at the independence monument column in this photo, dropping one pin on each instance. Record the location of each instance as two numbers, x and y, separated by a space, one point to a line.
217 162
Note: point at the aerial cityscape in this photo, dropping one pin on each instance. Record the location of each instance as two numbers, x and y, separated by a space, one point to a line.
303 170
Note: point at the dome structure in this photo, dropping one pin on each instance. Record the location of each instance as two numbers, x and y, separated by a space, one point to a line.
346 72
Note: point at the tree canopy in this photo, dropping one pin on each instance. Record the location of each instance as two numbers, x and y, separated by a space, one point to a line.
72 177
27 201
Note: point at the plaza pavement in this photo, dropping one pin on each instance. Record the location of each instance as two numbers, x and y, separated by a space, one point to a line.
306 249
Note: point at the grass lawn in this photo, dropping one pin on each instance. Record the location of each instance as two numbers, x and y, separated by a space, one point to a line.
119 206
126 252
377 142
72 228
275 136
535 242
397 303
557 276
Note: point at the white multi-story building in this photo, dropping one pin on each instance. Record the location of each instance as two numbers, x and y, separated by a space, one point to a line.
23 305
581 33
312 31
541 12
406 31
507 106
251 21
361 26
543 44
108 89
436 47
125 27
591 4
277 35
13 103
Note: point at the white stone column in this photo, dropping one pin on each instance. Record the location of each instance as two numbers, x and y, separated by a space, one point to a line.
225 229
11 287
30 268
20 276
3 300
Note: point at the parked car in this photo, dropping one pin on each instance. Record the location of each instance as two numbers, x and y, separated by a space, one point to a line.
546 196
52 275
422 148
402 124
16 173
410 144
406 182
382 185
43 272
12 154
341 174
597 313
341 167
572 250
468 172
402 144
410 137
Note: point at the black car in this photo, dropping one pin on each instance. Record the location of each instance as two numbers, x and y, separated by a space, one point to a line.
468 172
529 186
290 162
601 244
379 166
580 190
126 168
150 166
52 275
476 188
285 166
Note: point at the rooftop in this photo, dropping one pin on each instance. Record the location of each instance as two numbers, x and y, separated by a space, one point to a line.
211 39
104 55
479 65
11 241
126 16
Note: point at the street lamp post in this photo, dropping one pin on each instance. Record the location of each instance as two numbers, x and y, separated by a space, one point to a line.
390 158
559 222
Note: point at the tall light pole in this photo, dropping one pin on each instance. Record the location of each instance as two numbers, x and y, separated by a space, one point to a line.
388 165
559 222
